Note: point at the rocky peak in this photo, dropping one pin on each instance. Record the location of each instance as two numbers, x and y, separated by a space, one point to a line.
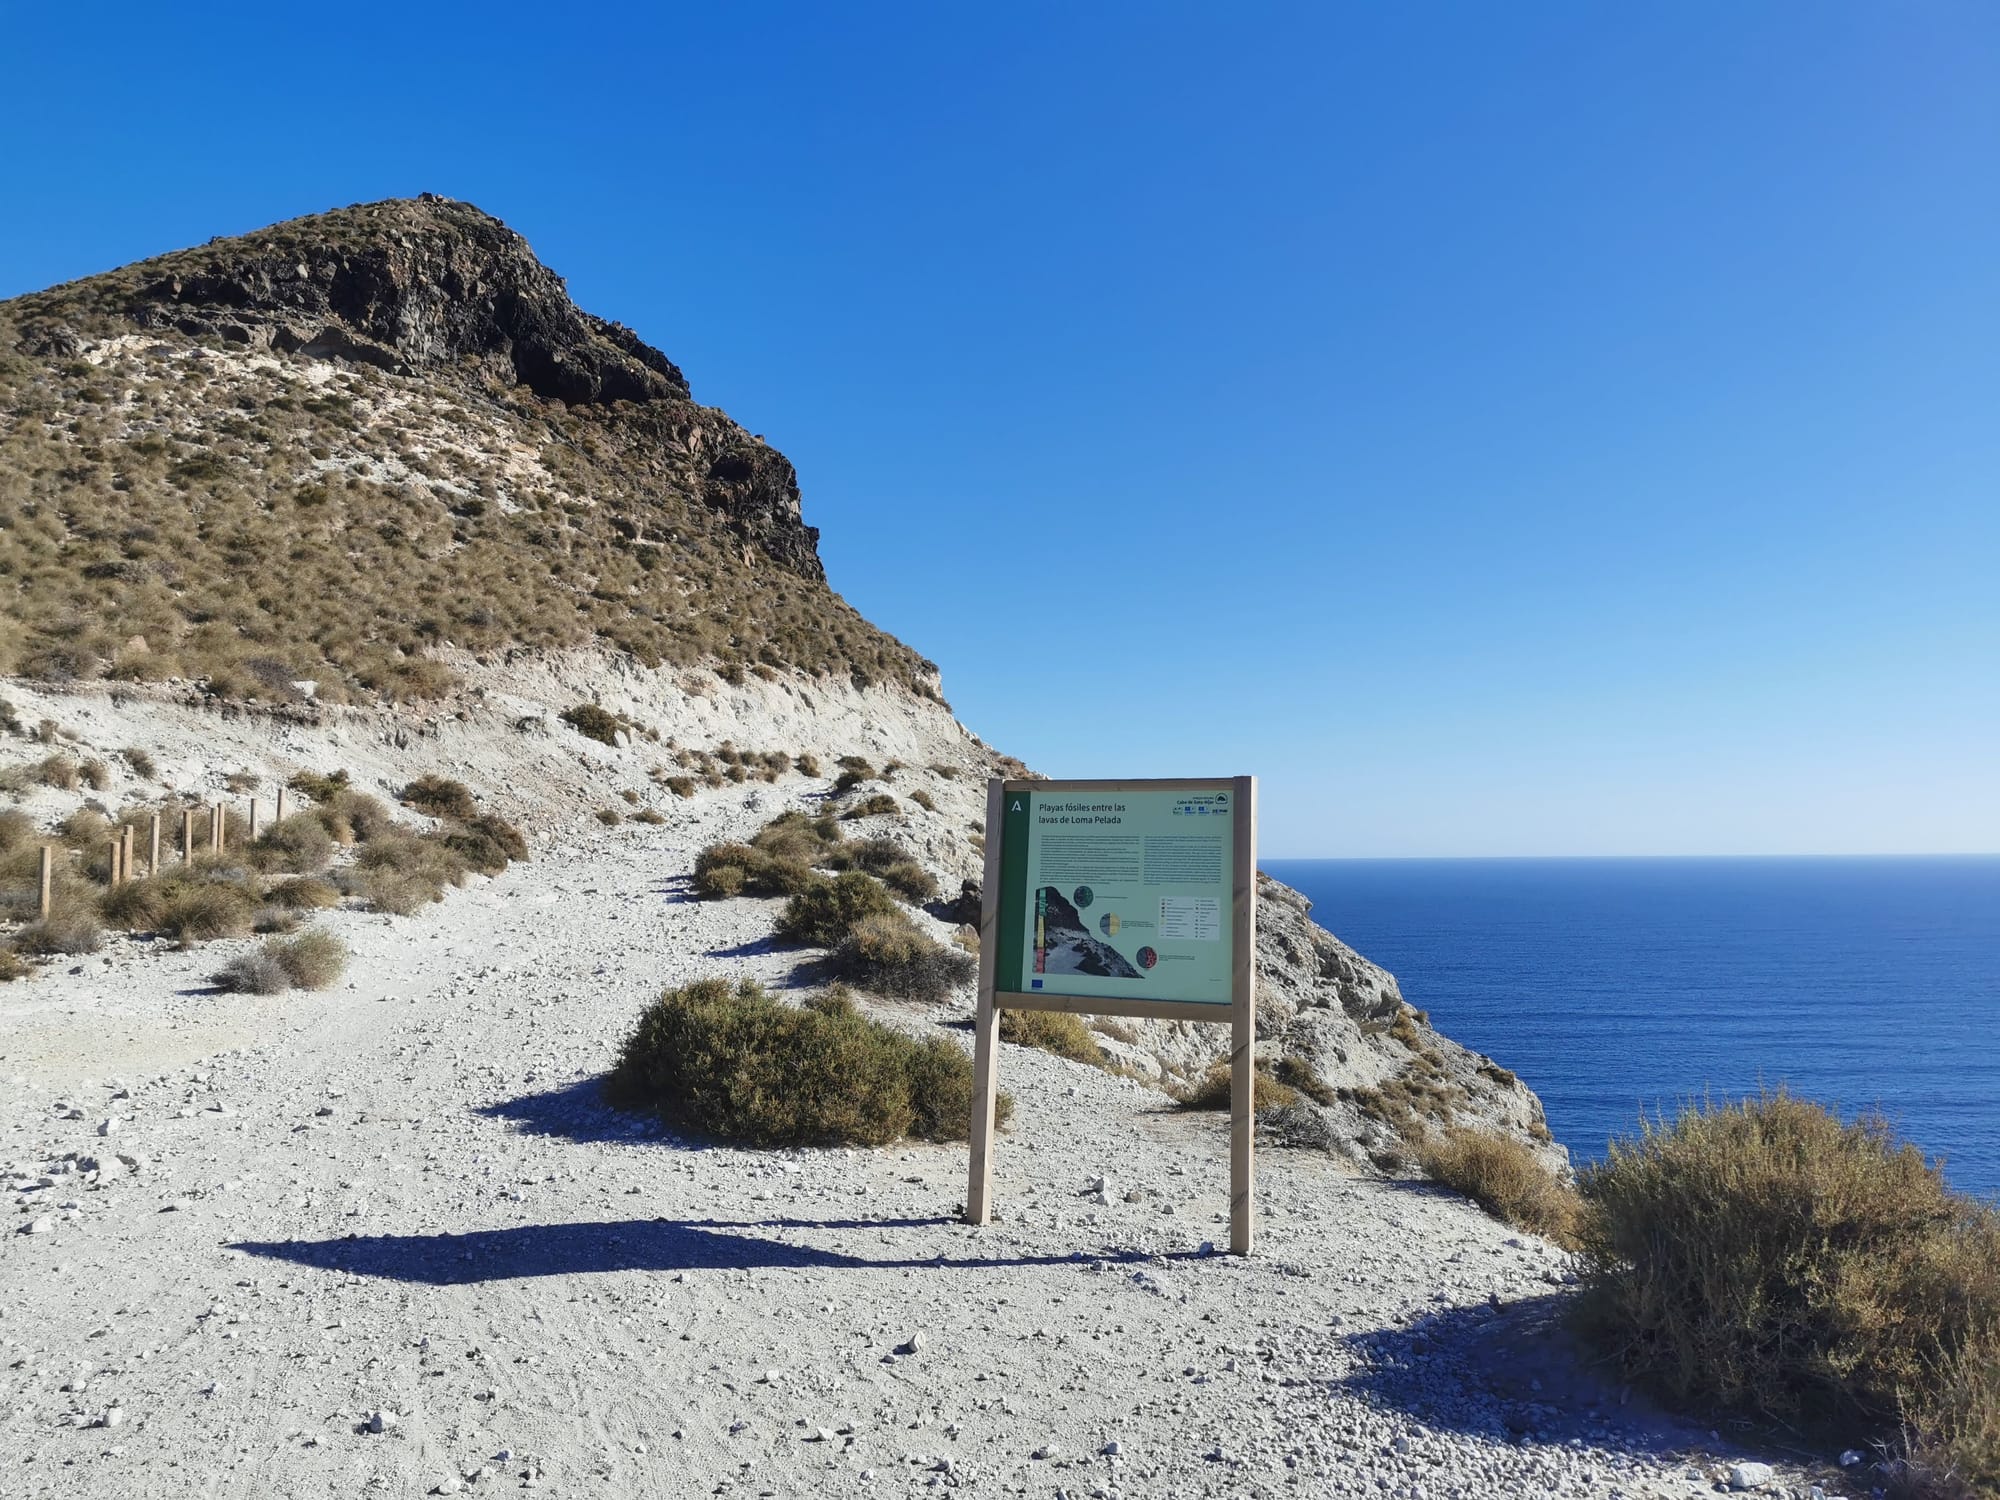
408 285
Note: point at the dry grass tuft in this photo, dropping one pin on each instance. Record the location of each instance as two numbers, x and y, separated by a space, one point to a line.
71 927
739 1064
1052 1031
1211 1091
200 911
824 913
303 893
257 973
311 961
1504 1177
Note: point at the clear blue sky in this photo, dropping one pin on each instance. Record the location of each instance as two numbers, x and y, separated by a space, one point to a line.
1507 429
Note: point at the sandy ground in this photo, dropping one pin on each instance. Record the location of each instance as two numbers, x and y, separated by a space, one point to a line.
402 1197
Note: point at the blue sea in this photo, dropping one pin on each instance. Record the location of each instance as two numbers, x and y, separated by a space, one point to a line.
1616 985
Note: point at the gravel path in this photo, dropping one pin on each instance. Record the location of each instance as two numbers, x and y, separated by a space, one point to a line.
399 1205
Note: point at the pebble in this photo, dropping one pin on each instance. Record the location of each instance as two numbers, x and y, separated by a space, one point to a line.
1749 1476
381 1421
913 1344
43 1225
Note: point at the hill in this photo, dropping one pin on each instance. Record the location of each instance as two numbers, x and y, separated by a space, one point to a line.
320 452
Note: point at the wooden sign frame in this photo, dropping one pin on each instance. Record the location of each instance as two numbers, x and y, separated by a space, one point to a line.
1240 1013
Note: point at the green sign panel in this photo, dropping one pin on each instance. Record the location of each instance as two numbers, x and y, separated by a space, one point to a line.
1124 895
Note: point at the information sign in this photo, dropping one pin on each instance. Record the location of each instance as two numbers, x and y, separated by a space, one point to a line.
1121 898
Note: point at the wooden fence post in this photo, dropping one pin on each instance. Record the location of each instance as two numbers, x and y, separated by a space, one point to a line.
48 876
253 820
117 848
153 858
279 816
187 835
125 854
217 837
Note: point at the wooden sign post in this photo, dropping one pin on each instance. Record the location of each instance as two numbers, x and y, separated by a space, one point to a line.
48 878
1121 898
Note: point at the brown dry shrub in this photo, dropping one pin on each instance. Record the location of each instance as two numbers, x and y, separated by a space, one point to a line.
441 797
199 911
885 952
303 893
312 960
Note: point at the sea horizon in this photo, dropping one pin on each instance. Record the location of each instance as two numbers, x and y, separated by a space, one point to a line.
1617 985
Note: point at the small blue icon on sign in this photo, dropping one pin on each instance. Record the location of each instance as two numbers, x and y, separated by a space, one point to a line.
1035 984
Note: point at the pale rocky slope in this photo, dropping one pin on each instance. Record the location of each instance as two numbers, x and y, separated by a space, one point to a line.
404 1196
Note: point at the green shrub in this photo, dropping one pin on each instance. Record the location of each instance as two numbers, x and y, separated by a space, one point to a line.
397 892
594 723
730 869
200 911
826 910
255 973
1767 1257
302 894
1212 1090
440 797
1296 1072
739 1064
297 845
1052 1031
911 881
312 960
71 927
1504 1177
352 817
399 872
887 954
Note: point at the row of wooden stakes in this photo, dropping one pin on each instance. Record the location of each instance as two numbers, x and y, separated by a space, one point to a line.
121 850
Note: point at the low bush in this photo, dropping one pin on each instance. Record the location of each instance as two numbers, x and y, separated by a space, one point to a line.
86 829
887 954
268 919
739 1064
257 973
486 844
680 786
312 960
924 800
95 774
199 911
1768 1257
731 869
317 787
1212 1090
825 912
441 797
1504 1177
302 894
610 817
400 872
16 830
297 845
594 723
808 764
911 881
13 966
1052 1031
650 815
58 771
71 927
352 817
141 763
